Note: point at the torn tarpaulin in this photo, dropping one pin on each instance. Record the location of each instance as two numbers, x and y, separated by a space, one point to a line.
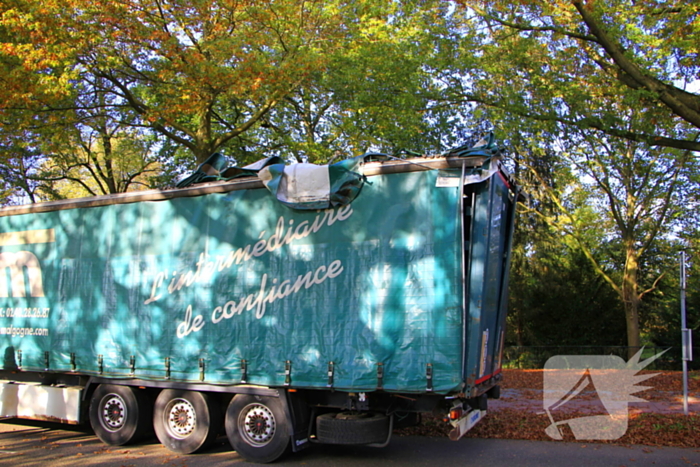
309 186
213 170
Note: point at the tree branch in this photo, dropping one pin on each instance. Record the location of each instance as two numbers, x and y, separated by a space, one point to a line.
529 27
682 103
653 286
591 123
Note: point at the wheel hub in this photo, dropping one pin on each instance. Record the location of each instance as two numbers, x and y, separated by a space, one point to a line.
181 418
113 412
258 424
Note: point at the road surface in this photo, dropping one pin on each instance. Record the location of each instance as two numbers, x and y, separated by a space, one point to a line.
25 443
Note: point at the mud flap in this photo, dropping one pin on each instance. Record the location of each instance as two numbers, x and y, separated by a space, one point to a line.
466 423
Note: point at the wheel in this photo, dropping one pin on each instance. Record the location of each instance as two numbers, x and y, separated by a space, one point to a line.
186 421
352 428
119 414
257 428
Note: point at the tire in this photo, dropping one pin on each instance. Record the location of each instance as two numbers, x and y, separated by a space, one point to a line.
352 428
257 428
119 415
186 421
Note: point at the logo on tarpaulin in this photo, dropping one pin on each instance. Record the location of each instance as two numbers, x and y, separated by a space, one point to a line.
602 383
22 262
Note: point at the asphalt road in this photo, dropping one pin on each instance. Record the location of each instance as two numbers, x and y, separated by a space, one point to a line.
42 444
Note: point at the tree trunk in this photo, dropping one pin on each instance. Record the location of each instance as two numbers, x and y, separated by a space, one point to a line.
630 298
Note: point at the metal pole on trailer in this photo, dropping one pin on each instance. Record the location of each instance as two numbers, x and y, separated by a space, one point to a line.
686 336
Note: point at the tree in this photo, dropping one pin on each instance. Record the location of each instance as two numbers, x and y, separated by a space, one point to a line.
83 151
588 64
99 161
604 84
210 73
200 73
378 95
19 161
625 197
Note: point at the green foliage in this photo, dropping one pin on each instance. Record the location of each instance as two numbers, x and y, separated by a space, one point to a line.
614 202
554 290
322 80
586 64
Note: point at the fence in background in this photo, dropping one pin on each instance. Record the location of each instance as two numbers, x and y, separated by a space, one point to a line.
535 357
